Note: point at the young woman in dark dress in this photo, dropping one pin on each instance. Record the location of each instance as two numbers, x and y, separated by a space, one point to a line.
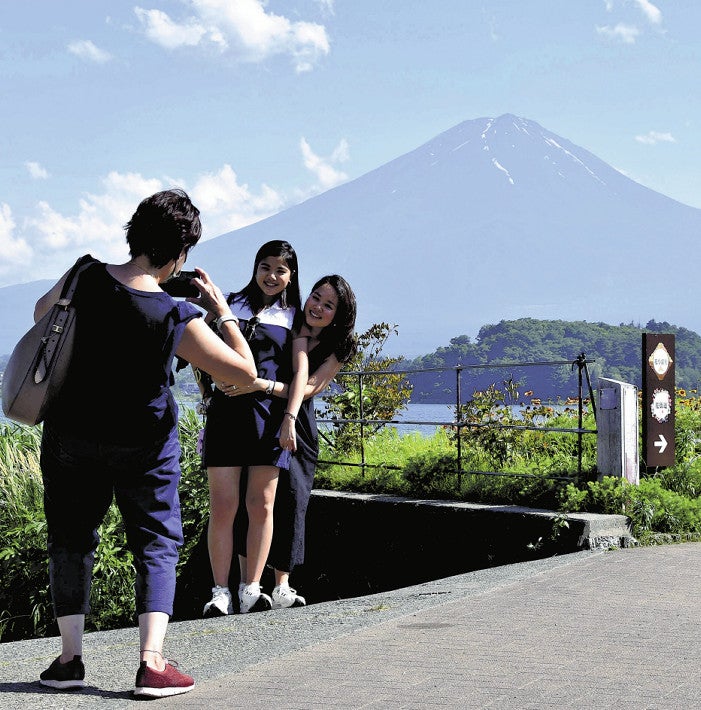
327 324
244 432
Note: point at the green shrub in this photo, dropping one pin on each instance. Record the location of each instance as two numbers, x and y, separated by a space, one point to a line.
381 395
431 476
651 507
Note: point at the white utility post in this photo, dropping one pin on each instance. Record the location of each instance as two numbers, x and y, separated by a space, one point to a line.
617 450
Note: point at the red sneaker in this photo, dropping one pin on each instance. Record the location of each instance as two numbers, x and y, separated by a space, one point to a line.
159 684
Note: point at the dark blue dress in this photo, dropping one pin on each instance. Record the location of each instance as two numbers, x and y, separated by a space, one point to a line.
295 485
245 430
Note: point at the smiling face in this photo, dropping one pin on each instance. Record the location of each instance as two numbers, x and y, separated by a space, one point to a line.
272 277
321 306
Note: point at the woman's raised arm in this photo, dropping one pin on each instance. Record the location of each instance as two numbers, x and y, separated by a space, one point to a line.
227 359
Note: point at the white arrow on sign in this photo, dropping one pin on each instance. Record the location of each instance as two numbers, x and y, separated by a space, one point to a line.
661 444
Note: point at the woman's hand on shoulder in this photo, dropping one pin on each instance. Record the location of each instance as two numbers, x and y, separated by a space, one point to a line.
321 378
303 332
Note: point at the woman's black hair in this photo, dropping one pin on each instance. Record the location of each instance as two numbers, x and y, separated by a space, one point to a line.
338 338
163 226
290 296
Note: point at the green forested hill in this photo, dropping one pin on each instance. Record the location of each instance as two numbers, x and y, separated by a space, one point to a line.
616 350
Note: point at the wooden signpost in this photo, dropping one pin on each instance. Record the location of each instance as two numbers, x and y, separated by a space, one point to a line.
658 399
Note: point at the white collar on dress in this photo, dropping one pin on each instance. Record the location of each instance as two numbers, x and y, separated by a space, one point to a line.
271 315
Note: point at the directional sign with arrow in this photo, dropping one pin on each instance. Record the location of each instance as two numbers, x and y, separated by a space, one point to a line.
661 443
658 399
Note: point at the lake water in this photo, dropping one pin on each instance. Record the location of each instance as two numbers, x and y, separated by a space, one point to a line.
424 413
423 418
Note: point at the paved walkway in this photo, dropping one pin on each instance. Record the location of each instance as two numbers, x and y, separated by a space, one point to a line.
618 629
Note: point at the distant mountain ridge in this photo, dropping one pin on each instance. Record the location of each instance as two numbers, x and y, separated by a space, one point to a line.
612 351
496 218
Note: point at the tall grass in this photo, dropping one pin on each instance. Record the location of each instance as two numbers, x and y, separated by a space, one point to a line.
533 469
25 604
24 598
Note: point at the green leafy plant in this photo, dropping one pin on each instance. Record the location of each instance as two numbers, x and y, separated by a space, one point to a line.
378 394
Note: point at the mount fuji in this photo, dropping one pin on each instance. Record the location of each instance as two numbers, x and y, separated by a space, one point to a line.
493 219
496 218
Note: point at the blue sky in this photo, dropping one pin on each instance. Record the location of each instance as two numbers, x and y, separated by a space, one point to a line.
255 106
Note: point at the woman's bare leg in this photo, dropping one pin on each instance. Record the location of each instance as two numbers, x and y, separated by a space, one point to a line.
260 499
223 504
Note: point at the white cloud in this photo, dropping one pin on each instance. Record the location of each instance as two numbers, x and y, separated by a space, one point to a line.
326 174
226 205
624 33
162 30
37 171
96 228
651 12
14 251
243 27
85 49
49 240
654 137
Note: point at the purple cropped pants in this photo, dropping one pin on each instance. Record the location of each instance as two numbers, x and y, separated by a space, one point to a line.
80 479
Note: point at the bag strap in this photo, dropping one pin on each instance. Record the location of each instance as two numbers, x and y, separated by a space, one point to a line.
58 318
71 282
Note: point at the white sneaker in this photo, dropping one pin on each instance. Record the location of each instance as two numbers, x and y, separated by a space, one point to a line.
252 599
220 604
285 597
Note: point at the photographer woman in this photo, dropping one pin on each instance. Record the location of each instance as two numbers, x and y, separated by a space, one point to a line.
113 430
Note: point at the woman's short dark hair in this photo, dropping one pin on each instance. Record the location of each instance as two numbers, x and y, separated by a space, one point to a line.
290 296
163 226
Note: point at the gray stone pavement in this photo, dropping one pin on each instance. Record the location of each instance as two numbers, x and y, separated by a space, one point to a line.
618 629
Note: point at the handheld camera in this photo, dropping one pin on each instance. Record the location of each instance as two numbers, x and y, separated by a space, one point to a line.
179 285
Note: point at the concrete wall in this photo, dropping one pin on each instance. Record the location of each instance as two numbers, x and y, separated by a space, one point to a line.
359 544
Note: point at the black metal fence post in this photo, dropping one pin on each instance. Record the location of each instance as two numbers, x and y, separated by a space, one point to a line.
458 418
580 362
361 411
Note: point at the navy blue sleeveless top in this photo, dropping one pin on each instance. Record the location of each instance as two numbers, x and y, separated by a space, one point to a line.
118 385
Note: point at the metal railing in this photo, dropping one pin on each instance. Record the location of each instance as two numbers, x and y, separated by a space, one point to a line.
458 423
